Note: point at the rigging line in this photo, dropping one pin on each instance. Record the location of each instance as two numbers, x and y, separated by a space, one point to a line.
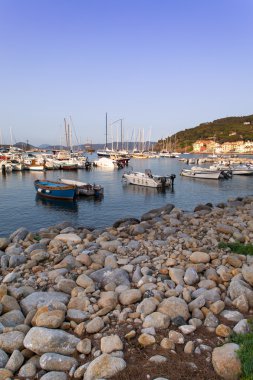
74 130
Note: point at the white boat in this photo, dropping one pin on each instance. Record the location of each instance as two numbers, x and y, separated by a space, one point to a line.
83 188
105 162
5 166
201 173
148 179
242 169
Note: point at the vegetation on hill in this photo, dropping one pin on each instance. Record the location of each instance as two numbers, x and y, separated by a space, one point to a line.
222 130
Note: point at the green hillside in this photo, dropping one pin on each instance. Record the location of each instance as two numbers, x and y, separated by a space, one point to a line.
226 129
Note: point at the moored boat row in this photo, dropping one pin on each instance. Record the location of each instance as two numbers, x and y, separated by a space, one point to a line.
66 189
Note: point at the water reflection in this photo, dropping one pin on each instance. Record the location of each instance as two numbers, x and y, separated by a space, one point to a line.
57 205
147 191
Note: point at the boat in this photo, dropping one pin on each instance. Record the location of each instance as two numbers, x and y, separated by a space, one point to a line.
83 188
54 189
69 165
242 169
35 165
105 162
5 166
201 173
148 179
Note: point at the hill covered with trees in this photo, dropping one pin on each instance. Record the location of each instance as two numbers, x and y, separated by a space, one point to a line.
227 129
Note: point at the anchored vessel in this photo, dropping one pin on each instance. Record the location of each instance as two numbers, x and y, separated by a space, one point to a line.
83 188
148 179
54 190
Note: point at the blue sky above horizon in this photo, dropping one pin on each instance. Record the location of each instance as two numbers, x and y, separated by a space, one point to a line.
162 65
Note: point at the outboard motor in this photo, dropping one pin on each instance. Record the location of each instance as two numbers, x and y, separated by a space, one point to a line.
172 178
163 182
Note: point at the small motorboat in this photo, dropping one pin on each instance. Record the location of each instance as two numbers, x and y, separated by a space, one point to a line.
54 190
105 162
148 179
201 173
246 169
83 188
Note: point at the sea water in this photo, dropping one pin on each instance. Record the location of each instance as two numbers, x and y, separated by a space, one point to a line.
19 205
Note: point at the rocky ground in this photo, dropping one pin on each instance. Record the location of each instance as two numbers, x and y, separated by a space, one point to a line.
144 299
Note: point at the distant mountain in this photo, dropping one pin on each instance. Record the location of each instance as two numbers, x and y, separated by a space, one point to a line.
227 129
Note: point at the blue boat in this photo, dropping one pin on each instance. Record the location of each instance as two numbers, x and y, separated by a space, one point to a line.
54 190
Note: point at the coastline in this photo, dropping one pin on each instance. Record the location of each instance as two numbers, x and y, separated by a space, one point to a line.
142 291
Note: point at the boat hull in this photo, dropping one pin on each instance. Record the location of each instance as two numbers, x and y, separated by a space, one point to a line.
83 188
200 174
54 190
143 179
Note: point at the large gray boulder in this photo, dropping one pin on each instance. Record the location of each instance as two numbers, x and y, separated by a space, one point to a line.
106 275
19 234
42 298
42 340
157 212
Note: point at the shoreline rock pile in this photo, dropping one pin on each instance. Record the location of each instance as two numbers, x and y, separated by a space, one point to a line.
72 299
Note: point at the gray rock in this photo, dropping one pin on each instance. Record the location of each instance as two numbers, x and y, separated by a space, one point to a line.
54 375
15 362
11 341
191 276
3 358
12 318
238 288
158 359
232 315
111 343
10 277
147 306
125 222
247 272
242 327
34 247
105 366
4 242
41 340
16 260
106 275
226 362
28 370
14 249
211 320
157 320
128 297
4 261
174 307
157 212
56 362
95 325
42 298
19 234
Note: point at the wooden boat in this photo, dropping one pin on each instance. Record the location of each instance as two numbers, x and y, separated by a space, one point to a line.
148 179
54 190
69 165
83 188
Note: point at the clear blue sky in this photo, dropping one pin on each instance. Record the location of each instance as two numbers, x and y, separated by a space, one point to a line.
162 65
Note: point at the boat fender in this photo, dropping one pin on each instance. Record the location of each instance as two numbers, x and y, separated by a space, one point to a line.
163 179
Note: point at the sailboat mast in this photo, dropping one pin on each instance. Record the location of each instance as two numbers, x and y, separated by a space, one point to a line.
106 129
121 134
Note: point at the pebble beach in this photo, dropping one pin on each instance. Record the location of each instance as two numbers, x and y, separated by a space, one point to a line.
144 298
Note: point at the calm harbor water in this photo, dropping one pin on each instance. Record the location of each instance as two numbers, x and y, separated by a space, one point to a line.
19 205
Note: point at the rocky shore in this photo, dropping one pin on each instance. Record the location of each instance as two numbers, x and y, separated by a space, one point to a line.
153 298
